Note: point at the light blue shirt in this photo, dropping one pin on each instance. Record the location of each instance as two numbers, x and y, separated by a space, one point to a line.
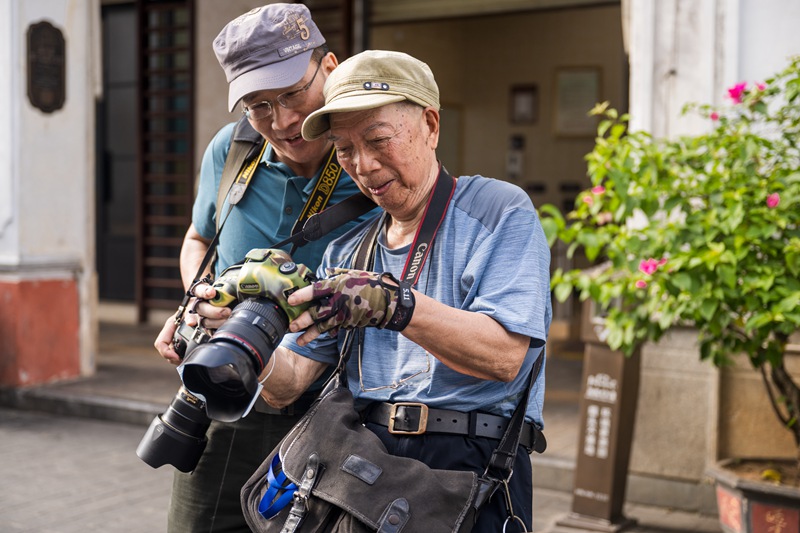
489 256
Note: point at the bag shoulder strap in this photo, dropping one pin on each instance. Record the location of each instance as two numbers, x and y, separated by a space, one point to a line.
246 143
362 259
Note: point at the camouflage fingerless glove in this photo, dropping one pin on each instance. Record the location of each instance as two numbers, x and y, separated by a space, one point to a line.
354 299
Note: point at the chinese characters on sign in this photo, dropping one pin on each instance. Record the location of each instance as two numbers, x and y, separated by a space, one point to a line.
598 430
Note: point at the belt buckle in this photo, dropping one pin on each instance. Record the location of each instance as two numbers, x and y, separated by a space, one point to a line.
423 418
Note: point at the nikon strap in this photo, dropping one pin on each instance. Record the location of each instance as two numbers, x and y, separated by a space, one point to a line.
323 190
245 153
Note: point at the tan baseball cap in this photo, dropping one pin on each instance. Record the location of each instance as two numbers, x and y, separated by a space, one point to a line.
371 79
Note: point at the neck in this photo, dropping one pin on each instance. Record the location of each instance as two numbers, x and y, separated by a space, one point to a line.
402 227
400 233
309 167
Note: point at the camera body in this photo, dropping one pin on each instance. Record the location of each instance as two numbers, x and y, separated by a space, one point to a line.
220 370
265 273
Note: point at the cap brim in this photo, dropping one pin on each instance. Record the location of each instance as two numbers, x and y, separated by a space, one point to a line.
269 77
318 122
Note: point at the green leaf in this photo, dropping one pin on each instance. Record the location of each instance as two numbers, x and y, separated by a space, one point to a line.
550 228
708 308
727 274
682 281
563 291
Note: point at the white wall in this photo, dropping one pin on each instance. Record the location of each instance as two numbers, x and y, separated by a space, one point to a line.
9 80
47 159
692 50
768 35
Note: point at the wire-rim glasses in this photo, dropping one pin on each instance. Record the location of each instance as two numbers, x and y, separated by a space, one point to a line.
287 100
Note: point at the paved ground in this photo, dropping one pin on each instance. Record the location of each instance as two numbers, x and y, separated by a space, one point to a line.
72 475
68 461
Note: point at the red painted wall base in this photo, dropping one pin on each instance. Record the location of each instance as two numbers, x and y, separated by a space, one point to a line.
39 331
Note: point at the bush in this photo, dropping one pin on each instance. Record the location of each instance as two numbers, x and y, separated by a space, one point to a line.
700 230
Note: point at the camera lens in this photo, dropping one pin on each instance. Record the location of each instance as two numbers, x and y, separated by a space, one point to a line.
178 436
225 369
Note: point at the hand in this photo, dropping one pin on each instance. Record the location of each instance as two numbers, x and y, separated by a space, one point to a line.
352 299
163 342
198 311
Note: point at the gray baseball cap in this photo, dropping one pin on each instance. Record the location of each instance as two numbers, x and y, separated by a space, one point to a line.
266 48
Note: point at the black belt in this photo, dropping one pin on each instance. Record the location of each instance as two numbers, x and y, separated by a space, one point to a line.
405 418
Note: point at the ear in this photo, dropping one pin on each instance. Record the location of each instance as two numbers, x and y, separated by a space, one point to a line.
329 62
431 117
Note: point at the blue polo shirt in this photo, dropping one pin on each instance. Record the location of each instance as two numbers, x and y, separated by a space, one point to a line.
269 209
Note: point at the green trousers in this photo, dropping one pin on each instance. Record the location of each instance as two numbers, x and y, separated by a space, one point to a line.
207 500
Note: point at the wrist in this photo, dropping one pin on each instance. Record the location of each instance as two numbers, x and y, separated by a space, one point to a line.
404 308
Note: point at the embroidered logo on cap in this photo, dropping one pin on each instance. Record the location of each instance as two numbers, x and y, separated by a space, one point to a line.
369 85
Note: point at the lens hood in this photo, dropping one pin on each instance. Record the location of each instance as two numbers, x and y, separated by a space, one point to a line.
222 372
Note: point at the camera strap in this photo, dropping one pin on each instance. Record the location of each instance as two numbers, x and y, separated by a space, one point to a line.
321 195
247 147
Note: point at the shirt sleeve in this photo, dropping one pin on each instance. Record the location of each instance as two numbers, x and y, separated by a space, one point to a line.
204 211
508 275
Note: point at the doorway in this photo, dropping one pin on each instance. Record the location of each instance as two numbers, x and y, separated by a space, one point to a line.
117 156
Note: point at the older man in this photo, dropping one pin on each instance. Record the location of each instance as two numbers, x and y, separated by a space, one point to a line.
473 314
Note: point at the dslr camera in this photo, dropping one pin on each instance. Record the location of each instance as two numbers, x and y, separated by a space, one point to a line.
220 370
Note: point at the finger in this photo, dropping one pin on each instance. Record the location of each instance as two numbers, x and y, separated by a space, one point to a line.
309 335
172 356
331 272
212 312
210 323
205 291
191 318
163 343
301 322
301 296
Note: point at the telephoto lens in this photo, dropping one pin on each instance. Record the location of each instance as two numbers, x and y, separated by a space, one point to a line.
224 371
178 436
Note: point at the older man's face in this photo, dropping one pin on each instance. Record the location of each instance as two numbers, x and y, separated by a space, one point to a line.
390 153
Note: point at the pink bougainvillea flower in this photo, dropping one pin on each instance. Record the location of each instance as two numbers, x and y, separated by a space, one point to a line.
588 200
773 200
648 266
761 86
598 190
735 93
641 284
714 116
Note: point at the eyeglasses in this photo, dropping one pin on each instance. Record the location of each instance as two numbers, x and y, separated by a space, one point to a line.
287 100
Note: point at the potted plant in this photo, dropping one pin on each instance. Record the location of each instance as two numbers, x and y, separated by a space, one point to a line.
701 230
